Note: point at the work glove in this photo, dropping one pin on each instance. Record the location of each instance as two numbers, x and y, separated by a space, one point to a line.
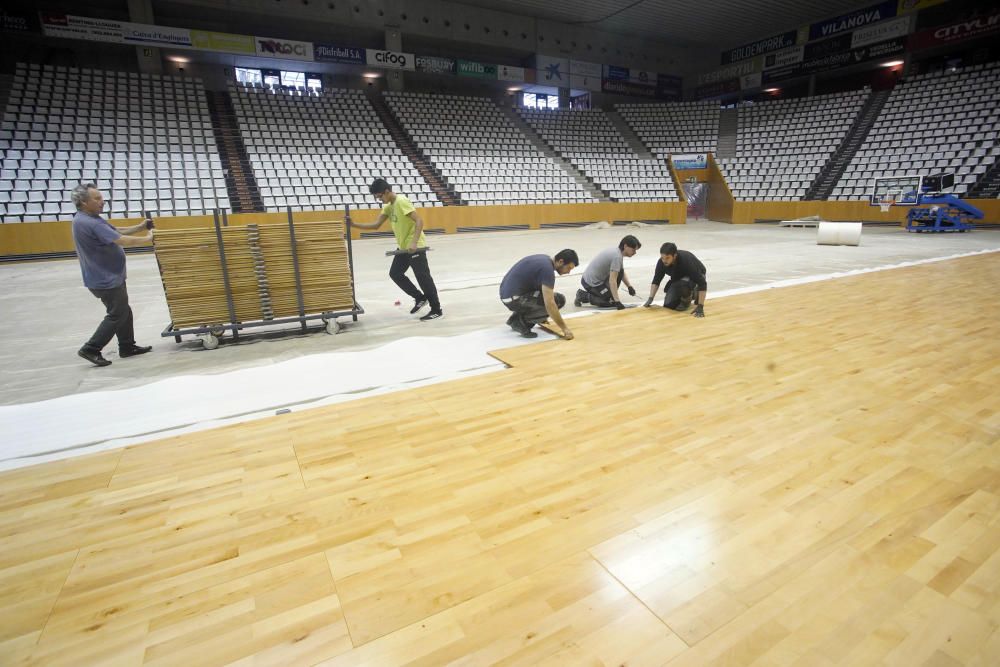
699 311
619 305
649 302
631 290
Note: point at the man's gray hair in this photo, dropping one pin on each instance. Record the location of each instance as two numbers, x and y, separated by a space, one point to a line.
81 193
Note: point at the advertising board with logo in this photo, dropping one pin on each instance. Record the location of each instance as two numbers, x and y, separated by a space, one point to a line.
81 27
853 20
508 73
880 32
476 70
390 59
761 46
289 49
18 21
155 35
733 71
553 71
332 53
689 161
222 41
581 68
435 65
956 32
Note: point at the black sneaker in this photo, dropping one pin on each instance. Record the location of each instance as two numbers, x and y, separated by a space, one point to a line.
135 350
529 334
417 305
581 298
93 357
433 315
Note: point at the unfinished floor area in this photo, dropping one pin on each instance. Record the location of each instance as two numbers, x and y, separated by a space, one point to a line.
807 476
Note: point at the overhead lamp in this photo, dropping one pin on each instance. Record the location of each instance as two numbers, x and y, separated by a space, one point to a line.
893 63
179 60
371 75
772 90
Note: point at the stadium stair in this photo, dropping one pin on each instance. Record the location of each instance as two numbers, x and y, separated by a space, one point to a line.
444 192
988 185
552 154
240 182
729 125
830 175
633 140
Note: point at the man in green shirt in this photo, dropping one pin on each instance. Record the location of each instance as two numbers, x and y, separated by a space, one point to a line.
409 231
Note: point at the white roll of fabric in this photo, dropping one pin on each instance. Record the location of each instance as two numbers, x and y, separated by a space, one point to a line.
839 233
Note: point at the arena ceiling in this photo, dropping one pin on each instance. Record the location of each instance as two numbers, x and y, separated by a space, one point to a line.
711 23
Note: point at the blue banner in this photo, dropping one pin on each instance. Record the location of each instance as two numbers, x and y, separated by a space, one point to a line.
693 161
331 53
615 72
856 19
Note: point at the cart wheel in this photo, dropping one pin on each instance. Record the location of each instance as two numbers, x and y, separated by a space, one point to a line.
218 332
210 342
333 327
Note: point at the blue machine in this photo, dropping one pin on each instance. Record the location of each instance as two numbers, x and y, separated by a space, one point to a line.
936 211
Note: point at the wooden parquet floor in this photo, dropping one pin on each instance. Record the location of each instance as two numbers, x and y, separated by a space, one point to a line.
808 476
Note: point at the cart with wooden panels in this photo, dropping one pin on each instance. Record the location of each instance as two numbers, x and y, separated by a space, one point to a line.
231 278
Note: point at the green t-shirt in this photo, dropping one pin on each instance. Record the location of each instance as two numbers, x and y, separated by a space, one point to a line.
403 225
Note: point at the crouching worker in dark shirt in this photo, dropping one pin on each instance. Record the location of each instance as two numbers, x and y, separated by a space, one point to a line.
687 279
527 291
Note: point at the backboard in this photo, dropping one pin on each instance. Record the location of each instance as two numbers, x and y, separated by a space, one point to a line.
903 189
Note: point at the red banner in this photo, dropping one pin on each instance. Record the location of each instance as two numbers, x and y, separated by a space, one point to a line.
956 32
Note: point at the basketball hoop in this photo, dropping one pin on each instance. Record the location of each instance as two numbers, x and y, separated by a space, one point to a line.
887 203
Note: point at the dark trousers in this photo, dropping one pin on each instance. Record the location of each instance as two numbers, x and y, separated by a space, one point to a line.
117 322
530 308
600 295
422 272
679 294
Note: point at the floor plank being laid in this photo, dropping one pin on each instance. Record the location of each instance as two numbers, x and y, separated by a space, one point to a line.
809 475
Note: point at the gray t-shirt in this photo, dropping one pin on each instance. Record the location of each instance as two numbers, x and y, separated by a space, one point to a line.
102 261
602 265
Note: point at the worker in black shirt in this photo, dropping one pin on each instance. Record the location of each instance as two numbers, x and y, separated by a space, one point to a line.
687 275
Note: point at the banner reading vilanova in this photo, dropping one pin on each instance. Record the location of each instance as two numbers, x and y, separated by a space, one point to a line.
857 19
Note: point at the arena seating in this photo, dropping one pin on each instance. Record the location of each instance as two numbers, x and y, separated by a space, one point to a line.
931 123
681 127
589 140
145 140
318 152
480 152
782 145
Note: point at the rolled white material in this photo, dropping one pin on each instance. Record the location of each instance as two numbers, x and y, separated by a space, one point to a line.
839 233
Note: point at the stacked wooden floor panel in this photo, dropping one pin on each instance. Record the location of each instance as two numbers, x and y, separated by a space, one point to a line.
261 272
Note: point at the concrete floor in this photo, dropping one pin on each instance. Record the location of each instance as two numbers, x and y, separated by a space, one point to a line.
48 314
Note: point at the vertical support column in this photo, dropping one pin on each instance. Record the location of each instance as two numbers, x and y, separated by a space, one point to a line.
148 57
564 98
394 42
812 85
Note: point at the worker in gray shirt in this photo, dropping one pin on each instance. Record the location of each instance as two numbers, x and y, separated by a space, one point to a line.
604 274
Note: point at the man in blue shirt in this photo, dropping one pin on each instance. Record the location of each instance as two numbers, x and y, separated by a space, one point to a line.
527 291
100 248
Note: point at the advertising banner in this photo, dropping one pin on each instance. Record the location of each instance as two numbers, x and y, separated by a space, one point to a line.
15 21
390 59
435 65
956 32
476 70
622 87
615 72
582 68
222 41
155 35
581 82
717 89
731 71
786 58
508 73
689 161
552 71
750 81
288 49
854 20
642 77
829 61
669 87
81 27
766 45
331 53
880 32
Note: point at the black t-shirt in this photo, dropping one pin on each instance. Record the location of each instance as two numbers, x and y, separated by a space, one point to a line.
685 265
